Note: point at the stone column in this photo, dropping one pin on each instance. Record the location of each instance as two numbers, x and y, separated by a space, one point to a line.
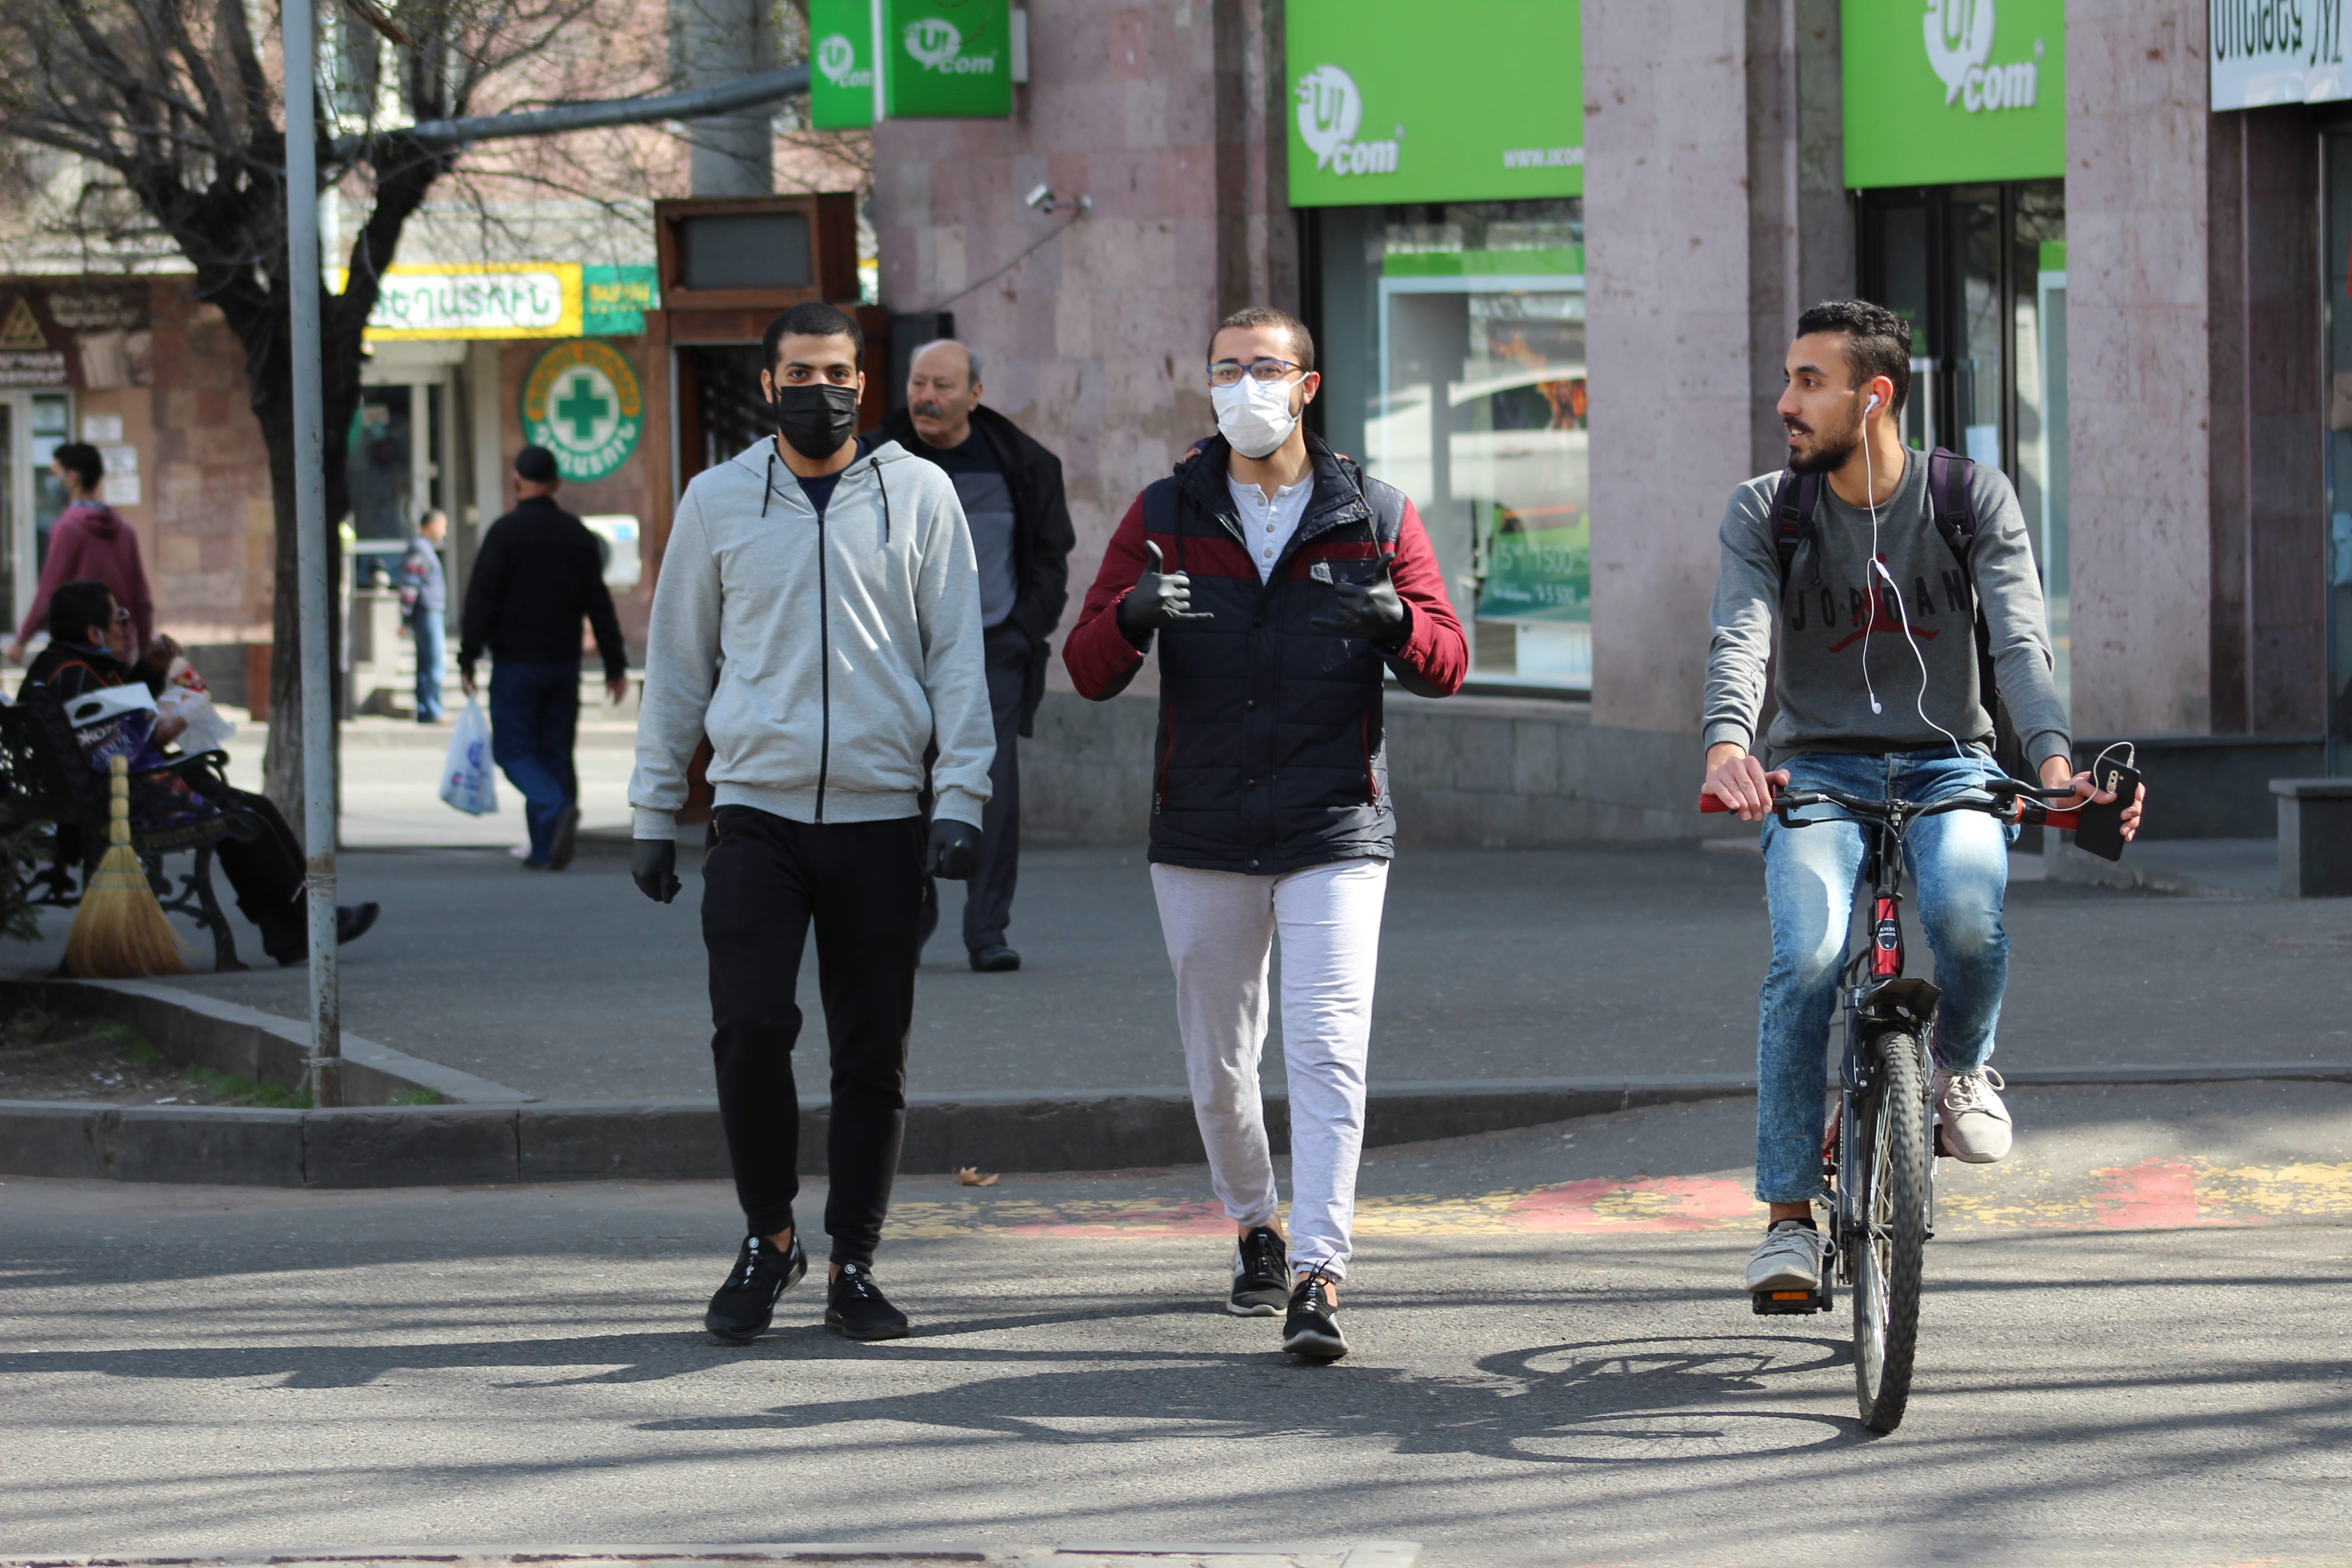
717 41
2140 369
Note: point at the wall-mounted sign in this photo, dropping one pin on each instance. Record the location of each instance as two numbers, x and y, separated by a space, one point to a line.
614 300
942 60
841 64
2276 51
582 403
89 336
1938 92
513 299
1384 107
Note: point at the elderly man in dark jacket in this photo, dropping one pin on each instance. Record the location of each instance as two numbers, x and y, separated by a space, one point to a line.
1011 488
1279 582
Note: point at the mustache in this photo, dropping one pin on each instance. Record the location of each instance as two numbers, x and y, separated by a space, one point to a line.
1797 427
926 407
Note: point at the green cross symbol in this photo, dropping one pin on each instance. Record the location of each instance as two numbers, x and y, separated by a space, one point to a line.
583 408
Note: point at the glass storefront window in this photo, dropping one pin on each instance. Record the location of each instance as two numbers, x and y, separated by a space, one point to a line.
2335 153
1980 273
1453 349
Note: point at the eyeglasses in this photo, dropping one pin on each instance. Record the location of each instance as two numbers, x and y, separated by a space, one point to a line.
1228 372
121 615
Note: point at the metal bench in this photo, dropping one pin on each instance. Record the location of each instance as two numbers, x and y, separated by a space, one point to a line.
44 780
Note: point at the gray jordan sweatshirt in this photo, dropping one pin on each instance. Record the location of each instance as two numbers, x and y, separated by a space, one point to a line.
1840 641
820 655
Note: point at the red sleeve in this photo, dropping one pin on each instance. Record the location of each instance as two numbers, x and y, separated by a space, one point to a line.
63 566
1435 650
1097 653
143 599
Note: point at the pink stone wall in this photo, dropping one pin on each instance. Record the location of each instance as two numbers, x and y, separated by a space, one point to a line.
1667 225
1161 113
2138 376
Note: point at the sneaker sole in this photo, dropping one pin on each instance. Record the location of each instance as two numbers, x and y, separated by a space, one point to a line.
1243 1309
1785 1282
727 1337
866 1336
1316 1346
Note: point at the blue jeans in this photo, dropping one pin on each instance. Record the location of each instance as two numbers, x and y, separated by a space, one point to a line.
424 627
534 715
1958 863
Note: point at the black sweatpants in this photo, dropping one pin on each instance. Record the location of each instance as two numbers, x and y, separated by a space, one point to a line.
988 897
766 880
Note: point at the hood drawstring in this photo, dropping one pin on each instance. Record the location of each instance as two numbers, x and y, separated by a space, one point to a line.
768 485
886 503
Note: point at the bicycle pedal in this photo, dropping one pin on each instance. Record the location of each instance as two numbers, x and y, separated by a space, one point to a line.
1789 1303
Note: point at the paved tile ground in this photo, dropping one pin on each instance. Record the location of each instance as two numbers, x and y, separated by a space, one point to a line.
2134 1352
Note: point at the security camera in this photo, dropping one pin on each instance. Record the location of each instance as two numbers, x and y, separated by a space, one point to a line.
1041 198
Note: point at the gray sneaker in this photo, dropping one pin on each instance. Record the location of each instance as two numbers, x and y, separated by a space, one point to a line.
1976 1123
1788 1258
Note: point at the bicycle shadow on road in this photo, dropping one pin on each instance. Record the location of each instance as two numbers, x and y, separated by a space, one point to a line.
1605 1402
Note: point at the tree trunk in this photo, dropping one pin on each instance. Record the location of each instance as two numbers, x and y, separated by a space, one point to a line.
273 403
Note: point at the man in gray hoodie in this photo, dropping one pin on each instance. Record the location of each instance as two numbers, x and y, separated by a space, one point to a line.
817 617
1878 692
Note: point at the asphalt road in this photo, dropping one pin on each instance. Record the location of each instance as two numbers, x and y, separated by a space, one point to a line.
2134 1352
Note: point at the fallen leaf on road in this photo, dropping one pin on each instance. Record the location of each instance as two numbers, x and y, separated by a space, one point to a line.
970 1177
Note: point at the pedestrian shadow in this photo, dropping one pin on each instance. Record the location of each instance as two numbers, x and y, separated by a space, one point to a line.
1602 1403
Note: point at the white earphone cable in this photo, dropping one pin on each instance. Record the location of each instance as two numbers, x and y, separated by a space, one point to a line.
1901 612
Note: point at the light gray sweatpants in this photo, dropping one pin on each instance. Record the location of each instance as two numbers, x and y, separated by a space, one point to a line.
1220 927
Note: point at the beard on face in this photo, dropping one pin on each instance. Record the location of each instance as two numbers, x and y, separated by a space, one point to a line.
1829 451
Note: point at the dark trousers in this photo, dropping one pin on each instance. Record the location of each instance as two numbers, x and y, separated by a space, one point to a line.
264 871
988 897
424 627
534 719
765 881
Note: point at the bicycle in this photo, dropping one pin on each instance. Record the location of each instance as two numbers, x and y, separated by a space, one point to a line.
1877 1150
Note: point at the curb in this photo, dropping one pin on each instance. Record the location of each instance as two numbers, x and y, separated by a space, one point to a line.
193 1030
871 1554
681 1140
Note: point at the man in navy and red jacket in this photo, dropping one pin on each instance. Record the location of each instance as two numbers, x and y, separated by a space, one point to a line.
1279 583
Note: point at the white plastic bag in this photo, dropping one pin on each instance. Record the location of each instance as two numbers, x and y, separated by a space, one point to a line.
468 781
204 727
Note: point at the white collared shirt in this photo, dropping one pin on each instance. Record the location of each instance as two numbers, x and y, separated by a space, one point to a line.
1269 525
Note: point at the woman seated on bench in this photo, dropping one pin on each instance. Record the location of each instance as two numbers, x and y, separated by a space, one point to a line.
91 647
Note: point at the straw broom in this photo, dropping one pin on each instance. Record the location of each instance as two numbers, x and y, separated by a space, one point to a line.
120 932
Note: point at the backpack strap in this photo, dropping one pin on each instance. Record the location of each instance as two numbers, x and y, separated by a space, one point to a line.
1793 516
1952 507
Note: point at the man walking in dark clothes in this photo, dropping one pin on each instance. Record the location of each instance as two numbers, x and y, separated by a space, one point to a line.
817 617
539 571
1011 488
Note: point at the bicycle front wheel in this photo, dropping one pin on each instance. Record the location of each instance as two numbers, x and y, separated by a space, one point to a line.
1891 1239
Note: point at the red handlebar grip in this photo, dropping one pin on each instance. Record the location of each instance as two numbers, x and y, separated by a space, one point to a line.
2068 819
1711 803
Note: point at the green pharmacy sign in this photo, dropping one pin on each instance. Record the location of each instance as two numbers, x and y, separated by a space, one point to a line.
582 401
1939 92
1386 106
944 60
841 64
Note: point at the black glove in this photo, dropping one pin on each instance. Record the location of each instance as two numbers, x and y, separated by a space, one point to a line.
954 853
1160 599
1369 610
652 866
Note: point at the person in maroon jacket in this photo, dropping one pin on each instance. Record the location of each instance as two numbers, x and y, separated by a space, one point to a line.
89 541
1297 580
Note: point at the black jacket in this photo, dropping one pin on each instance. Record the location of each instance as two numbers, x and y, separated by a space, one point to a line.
1272 753
1042 536
540 570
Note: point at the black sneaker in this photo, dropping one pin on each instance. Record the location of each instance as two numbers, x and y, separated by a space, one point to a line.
1260 1274
856 1309
1312 1329
567 837
742 1309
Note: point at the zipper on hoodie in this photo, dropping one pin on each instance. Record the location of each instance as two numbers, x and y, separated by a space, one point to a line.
824 668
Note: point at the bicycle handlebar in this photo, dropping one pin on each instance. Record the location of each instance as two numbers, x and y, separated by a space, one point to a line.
2028 799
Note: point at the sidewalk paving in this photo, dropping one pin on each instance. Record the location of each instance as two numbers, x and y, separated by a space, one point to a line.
1605 960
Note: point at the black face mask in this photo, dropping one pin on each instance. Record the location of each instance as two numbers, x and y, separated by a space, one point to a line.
817 418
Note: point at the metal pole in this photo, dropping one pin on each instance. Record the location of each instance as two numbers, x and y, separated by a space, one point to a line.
311 546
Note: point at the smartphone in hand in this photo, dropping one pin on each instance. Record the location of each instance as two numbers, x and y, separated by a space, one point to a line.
2099 829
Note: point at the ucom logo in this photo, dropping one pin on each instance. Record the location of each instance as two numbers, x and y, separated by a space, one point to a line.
836 58
937 45
1331 111
1960 43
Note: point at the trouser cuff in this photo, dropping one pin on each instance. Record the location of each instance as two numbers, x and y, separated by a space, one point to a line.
769 1222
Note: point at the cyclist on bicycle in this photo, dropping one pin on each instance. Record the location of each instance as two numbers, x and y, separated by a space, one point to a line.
1878 695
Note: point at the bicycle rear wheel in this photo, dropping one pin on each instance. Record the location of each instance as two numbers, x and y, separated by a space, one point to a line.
1891 1143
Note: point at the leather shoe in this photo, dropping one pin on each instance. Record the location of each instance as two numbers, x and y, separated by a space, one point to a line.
997 960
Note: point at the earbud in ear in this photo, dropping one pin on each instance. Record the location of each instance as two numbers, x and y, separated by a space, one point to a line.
1872 407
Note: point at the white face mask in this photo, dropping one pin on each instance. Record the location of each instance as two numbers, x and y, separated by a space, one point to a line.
1254 416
